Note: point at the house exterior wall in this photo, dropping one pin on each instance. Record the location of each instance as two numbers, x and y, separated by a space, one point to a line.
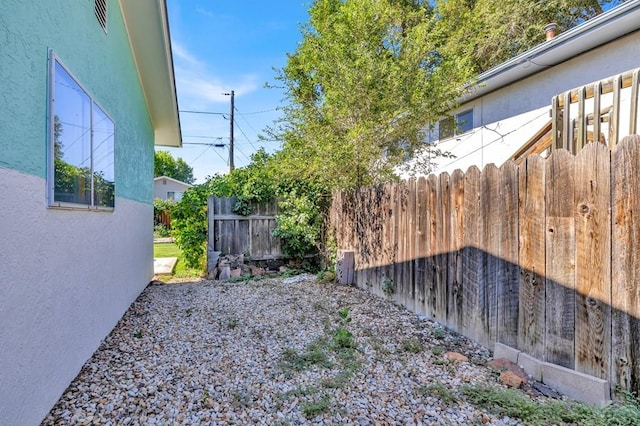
506 118
67 275
162 186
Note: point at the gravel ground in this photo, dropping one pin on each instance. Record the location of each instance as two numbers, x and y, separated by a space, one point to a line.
267 352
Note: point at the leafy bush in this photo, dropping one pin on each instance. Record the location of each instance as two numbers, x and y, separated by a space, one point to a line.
299 225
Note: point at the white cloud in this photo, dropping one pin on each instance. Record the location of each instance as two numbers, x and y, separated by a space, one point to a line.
198 87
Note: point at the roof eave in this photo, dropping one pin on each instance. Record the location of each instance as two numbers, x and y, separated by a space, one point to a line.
147 26
595 32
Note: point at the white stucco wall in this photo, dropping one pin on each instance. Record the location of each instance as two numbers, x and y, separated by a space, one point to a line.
66 278
506 118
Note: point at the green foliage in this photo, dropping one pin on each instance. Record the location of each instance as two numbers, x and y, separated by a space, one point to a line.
165 165
485 33
312 409
161 231
438 390
413 345
343 339
361 85
314 355
299 225
387 286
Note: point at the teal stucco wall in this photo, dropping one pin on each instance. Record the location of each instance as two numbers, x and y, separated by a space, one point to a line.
101 61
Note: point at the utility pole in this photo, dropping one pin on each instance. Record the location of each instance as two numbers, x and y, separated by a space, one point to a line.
231 165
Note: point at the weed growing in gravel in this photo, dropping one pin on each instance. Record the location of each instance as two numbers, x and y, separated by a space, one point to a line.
437 350
188 312
326 276
137 334
232 324
312 409
413 345
515 404
438 390
387 286
244 278
439 333
314 355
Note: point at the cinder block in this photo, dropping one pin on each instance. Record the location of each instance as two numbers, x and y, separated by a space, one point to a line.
532 366
579 386
504 351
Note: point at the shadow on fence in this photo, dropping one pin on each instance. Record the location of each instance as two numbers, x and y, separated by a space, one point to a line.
544 256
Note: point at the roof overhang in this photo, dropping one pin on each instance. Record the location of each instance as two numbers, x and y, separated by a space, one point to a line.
595 32
147 25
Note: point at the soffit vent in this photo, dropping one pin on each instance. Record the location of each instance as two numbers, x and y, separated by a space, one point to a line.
101 13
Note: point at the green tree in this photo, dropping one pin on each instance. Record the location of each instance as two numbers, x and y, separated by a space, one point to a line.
361 86
166 165
485 33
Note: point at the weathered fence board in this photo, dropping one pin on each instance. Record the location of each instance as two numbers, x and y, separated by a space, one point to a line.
542 256
531 324
421 245
456 242
560 262
625 303
472 258
593 260
509 274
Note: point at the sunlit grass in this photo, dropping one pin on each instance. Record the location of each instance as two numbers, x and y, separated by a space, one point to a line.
181 270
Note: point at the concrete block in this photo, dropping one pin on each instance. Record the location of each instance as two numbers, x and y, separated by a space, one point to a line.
531 365
164 265
504 351
579 386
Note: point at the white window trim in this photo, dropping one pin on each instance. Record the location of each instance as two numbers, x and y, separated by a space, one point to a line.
51 203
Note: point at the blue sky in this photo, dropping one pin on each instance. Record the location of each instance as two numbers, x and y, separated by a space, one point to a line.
219 46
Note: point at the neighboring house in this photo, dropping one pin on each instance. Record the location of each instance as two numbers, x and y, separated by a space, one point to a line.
87 89
167 188
511 102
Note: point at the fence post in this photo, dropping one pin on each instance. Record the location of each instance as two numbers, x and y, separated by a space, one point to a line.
344 266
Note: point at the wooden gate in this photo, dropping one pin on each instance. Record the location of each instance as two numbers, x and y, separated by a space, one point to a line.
251 235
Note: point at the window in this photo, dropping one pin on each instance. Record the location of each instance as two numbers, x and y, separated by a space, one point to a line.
81 145
171 195
451 126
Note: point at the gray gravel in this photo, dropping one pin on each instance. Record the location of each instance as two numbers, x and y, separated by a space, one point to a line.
264 352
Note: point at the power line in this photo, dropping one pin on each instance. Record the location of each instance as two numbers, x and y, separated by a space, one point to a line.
258 112
205 112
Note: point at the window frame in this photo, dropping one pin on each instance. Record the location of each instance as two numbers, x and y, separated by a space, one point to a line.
451 125
51 113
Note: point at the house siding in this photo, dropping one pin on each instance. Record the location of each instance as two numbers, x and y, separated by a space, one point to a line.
67 275
160 189
507 117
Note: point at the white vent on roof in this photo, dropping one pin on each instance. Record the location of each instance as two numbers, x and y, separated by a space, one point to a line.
101 13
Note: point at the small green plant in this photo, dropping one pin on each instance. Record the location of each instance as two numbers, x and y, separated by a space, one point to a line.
291 272
232 324
137 334
387 286
343 339
437 350
344 314
312 409
413 345
161 231
205 397
439 333
314 355
438 390
326 276
188 312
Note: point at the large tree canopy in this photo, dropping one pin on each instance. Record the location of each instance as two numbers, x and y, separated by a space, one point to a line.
370 74
363 82
488 32
166 165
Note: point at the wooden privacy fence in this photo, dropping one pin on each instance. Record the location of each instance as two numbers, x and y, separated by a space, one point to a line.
231 233
542 257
